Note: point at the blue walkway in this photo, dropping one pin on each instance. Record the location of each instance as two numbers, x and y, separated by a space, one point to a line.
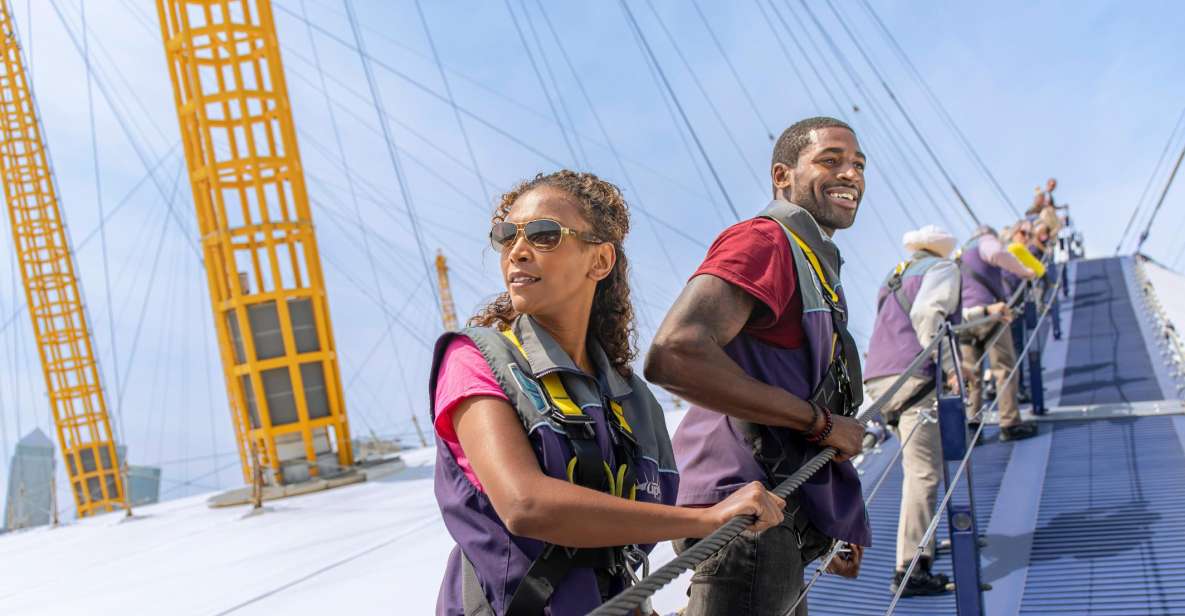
1107 360
1092 519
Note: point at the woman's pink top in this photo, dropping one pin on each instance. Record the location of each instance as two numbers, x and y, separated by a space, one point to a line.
463 374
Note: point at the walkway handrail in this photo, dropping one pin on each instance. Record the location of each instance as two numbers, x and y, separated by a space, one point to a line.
631 598
974 440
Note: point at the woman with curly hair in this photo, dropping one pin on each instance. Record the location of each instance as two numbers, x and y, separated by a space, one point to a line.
554 469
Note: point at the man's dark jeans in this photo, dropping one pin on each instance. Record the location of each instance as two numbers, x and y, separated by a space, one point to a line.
757 575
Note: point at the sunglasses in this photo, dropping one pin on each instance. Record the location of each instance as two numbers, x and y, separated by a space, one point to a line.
542 234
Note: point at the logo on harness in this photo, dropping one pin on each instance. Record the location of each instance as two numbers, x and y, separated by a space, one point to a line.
652 488
529 387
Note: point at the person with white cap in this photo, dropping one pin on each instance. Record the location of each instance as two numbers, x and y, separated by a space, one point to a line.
918 296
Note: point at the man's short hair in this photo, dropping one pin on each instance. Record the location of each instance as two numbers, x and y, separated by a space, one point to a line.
798 136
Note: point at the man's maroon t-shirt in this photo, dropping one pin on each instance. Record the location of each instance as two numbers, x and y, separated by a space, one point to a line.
755 256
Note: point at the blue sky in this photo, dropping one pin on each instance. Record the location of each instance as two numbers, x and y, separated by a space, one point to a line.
1086 92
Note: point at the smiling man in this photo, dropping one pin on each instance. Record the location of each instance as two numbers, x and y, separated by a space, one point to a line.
758 343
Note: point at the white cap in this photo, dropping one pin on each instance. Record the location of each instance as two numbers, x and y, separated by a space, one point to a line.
931 238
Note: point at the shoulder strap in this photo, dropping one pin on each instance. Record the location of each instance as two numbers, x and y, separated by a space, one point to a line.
814 262
472 594
896 289
589 469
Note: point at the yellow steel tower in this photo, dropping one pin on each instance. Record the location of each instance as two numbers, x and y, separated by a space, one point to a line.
51 291
260 252
447 311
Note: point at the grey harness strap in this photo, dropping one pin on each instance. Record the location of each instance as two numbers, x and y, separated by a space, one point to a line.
476 603
896 279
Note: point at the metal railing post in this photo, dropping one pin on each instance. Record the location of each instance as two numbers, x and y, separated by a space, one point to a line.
964 532
1036 387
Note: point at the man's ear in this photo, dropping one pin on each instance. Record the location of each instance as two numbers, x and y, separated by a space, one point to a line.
604 259
782 176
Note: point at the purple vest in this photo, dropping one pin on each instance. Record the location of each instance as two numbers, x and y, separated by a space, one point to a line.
975 291
894 341
713 450
501 559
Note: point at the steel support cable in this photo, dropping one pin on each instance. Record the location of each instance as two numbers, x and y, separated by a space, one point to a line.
555 83
141 111
306 137
119 392
765 18
830 94
378 343
341 150
894 138
934 99
1160 202
839 107
542 84
448 91
389 140
588 101
1152 179
683 114
681 131
629 599
90 105
761 184
161 368
921 138
474 116
901 204
143 156
732 69
954 482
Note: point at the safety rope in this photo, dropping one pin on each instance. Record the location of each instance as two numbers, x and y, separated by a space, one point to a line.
925 418
624 603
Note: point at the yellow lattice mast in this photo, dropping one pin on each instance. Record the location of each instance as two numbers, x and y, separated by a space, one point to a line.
51 291
447 311
262 264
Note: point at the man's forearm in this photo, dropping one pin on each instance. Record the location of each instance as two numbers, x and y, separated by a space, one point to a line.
703 374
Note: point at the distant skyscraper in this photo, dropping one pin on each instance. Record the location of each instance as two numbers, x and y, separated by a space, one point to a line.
30 483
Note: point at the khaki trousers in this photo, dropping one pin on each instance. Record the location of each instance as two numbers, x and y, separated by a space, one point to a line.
1002 357
921 462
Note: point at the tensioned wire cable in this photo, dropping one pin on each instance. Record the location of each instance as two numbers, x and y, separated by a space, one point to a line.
357 209
933 98
635 197
732 139
542 84
378 62
917 133
765 19
911 160
679 106
732 69
98 178
448 91
392 153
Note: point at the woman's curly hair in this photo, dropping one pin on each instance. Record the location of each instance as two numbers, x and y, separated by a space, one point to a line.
612 318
